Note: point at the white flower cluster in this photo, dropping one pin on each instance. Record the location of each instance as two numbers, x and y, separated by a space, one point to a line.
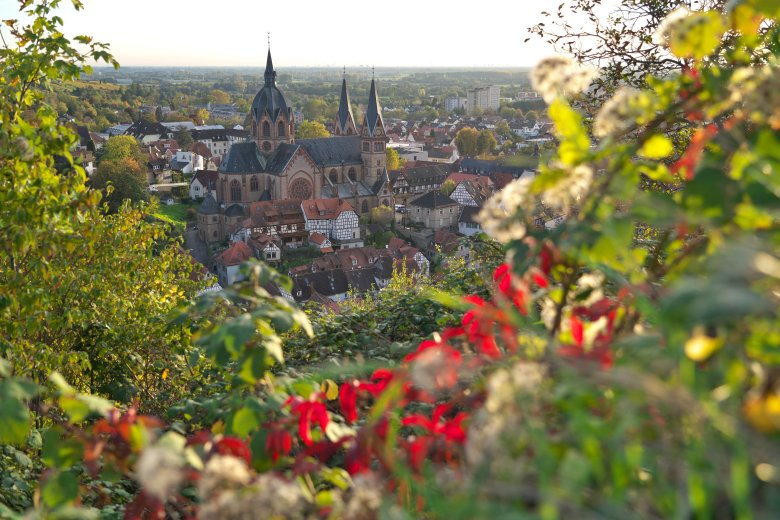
560 76
365 497
620 113
160 471
572 186
221 472
268 497
495 430
499 215
672 23
755 91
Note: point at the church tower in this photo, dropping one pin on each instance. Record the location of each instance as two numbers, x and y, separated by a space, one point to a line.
272 122
373 140
345 121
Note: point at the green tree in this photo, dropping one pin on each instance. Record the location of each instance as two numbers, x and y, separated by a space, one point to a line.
311 129
158 113
466 141
219 97
486 142
119 148
127 181
184 138
502 129
382 215
447 187
393 160
201 116
507 112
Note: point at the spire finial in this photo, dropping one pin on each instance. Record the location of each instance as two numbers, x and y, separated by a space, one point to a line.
372 72
269 39
345 70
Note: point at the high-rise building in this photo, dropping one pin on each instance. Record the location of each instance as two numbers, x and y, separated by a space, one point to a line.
483 98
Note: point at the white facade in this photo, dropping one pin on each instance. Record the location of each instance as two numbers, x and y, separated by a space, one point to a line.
455 102
197 190
228 275
469 228
462 196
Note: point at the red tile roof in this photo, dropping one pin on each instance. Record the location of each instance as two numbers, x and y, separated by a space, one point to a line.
325 209
236 254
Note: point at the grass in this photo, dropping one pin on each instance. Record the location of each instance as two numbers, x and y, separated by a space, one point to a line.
525 161
175 214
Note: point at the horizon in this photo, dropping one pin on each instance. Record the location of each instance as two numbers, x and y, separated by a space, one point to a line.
493 39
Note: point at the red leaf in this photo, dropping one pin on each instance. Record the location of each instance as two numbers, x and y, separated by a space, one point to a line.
576 330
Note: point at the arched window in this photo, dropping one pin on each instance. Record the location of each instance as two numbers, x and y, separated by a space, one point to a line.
281 129
266 129
253 185
235 191
366 146
352 175
364 207
378 147
333 176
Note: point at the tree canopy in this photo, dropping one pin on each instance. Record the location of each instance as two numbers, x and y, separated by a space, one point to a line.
311 129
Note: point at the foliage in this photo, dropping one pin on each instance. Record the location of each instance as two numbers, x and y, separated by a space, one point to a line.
621 364
486 142
382 215
447 187
394 162
184 139
176 214
311 129
466 141
119 182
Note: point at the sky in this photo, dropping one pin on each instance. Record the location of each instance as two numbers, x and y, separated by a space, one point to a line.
352 33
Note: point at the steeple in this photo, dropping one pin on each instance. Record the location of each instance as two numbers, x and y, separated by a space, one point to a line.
373 117
270 73
345 121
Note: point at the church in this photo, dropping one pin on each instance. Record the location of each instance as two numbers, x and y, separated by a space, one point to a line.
273 165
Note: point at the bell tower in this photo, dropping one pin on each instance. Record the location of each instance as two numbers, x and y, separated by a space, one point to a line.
373 140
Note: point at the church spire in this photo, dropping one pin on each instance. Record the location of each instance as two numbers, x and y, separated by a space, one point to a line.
270 73
373 118
345 122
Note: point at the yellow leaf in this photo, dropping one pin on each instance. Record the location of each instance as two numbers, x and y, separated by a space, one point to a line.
330 389
697 35
657 147
164 374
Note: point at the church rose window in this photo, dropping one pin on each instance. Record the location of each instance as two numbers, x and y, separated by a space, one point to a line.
300 189
235 191
253 184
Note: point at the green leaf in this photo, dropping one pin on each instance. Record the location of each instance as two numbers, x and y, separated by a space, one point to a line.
244 421
15 418
697 35
657 147
60 489
60 452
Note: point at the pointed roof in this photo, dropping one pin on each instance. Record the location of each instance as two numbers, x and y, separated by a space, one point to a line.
373 117
345 116
270 73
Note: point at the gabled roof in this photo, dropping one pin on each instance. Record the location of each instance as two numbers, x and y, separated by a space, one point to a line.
139 129
235 210
325 209
333 151
432 200
279 159
344 190
236 254
326 283
243 158
207 179
361 280
201 149
469 214
317 238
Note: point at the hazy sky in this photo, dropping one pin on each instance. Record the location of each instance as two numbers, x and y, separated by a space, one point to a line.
421 33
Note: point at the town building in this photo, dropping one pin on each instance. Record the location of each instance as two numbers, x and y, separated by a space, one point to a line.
483 98
229 263
454 103
335 219
434 210
273 165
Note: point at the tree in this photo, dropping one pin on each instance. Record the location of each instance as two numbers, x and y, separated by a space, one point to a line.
219 97
311 129
394 162
382 215
466 141
447 187
502 129
201 116
127 181
486 142
121 147
619 42
507 112
158 113
184 138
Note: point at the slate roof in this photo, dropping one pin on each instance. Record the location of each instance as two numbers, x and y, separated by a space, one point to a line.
345 107
427 174
270 100
235 210
432 200
469 214
344 190
243 158
281 157
331 151
373 117
327 283
140 129
207 179
361 280
209 206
